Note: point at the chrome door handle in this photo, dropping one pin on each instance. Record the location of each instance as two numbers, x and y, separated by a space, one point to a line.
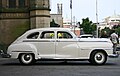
58 40
52 40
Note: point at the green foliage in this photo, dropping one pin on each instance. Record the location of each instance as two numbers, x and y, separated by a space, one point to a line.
109 31
53 24
118 31
105 33
88 26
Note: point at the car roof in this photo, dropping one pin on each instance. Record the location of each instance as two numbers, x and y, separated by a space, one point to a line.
40 29
48 29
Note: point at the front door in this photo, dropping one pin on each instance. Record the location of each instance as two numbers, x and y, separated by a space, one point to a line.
66 46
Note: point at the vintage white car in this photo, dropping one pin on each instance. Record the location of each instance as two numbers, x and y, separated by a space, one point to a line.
59 43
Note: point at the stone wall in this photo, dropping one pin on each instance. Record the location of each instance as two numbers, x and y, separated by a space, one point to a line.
11 29
15 21
39 18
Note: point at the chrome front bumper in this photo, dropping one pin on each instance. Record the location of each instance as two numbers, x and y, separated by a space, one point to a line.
114 55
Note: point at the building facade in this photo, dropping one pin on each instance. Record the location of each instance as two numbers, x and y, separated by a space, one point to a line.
74 28
112 20
17 16
58 17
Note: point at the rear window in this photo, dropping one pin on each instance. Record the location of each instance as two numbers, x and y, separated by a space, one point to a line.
33 35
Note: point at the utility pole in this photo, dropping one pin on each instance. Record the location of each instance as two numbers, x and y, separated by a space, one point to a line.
71 11
97 17
74 23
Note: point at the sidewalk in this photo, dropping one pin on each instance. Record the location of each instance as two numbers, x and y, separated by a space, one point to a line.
3 58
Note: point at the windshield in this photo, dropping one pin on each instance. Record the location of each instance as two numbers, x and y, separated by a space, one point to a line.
74 35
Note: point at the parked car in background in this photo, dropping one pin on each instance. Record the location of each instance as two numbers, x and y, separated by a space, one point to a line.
59 43
86 36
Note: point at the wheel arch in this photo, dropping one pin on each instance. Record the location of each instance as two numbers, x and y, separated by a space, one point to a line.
30 60
95 59
25 53
99 50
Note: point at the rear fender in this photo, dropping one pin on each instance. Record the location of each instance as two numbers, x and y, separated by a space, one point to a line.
98 50
16 49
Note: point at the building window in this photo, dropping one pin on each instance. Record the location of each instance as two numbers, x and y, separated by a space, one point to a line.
12 3
112 20
21 3
118 20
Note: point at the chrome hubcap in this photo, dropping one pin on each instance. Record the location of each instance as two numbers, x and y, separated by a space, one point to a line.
99 57
27 57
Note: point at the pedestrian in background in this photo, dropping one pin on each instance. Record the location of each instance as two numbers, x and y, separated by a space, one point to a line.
115 40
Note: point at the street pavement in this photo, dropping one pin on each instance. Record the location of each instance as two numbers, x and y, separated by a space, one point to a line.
12 67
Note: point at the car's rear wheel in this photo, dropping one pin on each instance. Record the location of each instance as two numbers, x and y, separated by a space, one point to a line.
98 58
26 59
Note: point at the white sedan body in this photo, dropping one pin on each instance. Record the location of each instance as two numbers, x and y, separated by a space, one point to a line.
46 43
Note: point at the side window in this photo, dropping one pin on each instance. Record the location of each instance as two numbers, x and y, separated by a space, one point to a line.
47 35
12 3
33 35
21 3
64 35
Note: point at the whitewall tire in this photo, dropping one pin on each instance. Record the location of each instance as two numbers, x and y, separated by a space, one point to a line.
98 58
26 59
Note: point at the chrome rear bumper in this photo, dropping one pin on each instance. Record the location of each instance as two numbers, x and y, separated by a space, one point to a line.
4 55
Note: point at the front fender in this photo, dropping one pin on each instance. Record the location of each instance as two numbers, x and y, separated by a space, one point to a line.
15 49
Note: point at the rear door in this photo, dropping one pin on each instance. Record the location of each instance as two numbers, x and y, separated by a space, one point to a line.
46 45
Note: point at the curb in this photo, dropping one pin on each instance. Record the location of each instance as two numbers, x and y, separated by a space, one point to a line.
4 59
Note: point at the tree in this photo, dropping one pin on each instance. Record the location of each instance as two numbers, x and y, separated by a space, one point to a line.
118 31
53 24
88 26
79 24
105 33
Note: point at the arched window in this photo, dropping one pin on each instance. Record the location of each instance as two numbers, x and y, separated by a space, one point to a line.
12 3
21 3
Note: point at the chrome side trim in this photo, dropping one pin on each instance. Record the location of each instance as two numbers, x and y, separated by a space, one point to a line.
21 51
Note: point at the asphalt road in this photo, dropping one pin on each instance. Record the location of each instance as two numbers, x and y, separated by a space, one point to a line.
12 67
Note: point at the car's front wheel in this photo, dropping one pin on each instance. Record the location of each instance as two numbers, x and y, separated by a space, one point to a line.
98 58
26 59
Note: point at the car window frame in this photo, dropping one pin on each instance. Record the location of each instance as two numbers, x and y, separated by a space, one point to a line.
64 32
46 32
